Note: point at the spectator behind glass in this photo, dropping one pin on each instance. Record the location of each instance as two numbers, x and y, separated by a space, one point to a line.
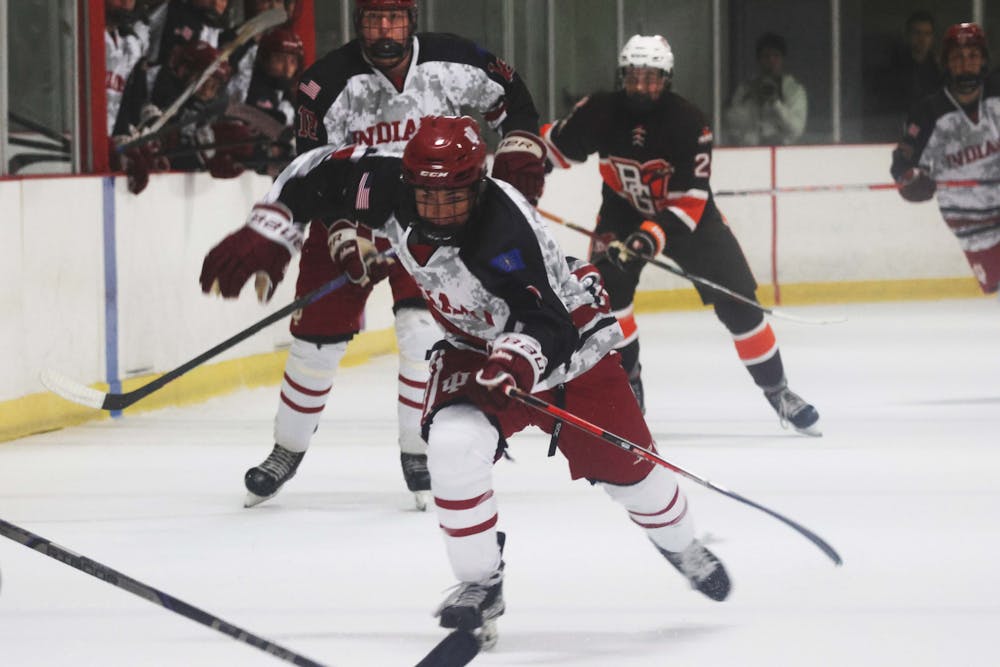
771 108
244 58
917 73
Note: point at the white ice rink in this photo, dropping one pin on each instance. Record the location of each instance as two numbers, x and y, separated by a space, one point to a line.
905 484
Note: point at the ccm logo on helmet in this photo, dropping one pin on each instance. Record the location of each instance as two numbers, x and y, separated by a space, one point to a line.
434 174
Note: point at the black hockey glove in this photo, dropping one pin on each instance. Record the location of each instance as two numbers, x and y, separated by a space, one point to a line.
916 185
647 241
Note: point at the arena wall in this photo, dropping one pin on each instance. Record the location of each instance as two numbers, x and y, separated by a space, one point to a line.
103 286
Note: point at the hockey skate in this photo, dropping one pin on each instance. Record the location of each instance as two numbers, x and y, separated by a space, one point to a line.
475 606
793 410
264 481
702 569
418 480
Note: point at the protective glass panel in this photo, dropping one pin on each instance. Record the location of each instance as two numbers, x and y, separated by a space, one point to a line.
586 50
40 77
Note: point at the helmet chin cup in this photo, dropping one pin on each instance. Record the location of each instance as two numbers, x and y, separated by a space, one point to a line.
968 83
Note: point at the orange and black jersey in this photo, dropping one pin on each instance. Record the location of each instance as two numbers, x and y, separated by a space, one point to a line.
658 161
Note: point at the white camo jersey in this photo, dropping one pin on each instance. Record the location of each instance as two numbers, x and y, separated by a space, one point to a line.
507 274
942 139
345 100
122 50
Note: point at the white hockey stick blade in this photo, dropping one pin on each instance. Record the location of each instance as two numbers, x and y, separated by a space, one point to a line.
71 390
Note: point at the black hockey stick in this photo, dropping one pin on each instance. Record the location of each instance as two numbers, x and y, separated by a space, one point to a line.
651 456
146 592
78 392
456 650
678 271
22 160
44 130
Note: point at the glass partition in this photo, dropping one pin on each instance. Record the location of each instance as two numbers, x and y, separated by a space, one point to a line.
40 99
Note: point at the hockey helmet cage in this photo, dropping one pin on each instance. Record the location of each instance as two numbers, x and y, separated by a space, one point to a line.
445 152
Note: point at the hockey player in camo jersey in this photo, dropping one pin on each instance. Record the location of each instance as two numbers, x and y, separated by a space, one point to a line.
516 312
954 134
656 155
373 91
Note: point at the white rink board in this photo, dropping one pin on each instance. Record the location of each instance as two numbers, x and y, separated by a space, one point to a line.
53 270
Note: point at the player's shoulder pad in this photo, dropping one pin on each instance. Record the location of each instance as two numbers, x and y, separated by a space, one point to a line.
443 46
685 113
503 237
326 78
992 87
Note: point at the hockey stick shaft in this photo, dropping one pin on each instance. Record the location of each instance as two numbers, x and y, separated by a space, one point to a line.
651 456
694 278
247 31
146 592
80 393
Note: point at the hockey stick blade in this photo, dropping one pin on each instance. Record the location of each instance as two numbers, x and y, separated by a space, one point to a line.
642 452
146 592
71 390
246 32
455 650
78 392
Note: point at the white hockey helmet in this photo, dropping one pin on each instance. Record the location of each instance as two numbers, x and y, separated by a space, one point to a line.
647 51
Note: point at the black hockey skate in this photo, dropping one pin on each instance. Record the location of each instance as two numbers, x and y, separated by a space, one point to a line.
475 606
264 481
702 569
418 479
792 409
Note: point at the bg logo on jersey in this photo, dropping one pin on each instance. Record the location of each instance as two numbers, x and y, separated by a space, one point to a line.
643 184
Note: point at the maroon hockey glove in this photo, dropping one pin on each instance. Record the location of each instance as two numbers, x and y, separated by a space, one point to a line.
515 360
355 256
222 165
520 160
139 161
916 185
647 241
263 246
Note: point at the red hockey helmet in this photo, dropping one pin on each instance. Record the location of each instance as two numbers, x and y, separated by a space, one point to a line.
963 34
446 152
282 40
188 61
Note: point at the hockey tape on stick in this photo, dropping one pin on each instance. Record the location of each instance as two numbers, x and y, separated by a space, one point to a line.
456 650
651 456
678 271
77 392
146 592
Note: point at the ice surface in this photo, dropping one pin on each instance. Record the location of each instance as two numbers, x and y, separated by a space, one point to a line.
339 568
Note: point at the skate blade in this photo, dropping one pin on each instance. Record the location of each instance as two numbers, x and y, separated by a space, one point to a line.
812 431
253 499
422 499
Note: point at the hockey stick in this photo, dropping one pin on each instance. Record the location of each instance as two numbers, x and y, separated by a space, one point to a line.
22 160
792 189
246 32
651 456
456 650
678 271
44 130
169 602
77 392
